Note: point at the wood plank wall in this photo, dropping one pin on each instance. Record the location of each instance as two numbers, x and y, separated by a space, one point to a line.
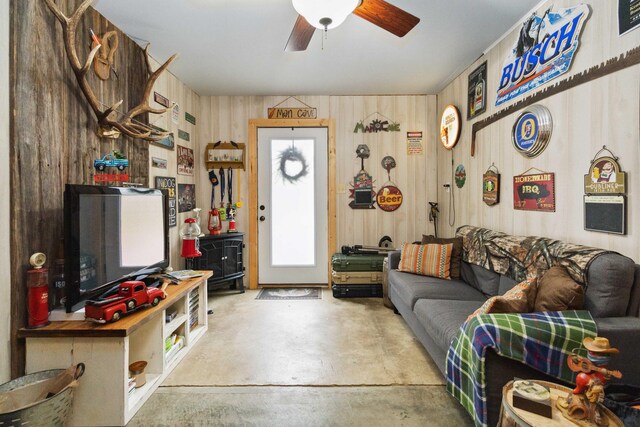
226 118
53 140
602 112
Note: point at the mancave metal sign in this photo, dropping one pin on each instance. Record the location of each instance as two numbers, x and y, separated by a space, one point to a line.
543 51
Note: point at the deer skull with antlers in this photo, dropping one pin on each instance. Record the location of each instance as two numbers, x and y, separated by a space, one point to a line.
108 125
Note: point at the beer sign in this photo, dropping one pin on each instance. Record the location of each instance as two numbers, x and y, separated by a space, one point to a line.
605 177
534 192
389 198
543 51
491 187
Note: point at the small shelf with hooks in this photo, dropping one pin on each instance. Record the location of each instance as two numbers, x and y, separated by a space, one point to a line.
225 155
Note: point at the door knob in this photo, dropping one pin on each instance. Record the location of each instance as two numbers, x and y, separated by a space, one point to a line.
262 218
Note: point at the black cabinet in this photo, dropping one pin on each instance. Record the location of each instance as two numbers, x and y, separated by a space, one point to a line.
223 255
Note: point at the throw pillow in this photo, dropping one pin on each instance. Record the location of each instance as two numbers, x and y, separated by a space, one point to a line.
557 291
519 299
427 260
456 255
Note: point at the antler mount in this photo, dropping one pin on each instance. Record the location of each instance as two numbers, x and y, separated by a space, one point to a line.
108 125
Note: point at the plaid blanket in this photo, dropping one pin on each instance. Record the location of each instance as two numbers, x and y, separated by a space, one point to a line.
540 340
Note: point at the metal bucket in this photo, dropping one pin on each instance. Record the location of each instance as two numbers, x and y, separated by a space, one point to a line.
53 411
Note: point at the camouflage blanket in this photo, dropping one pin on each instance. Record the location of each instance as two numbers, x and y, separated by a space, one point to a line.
520 257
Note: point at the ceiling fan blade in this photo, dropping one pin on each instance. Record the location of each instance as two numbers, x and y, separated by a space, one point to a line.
387 16
300 35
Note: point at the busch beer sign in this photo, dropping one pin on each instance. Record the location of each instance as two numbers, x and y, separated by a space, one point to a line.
544 50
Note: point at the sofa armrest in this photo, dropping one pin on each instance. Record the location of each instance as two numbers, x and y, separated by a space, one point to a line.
394 259
624 334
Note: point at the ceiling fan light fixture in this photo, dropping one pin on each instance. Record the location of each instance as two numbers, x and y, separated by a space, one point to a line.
326 14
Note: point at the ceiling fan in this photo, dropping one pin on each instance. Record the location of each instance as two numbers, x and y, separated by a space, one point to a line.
328 14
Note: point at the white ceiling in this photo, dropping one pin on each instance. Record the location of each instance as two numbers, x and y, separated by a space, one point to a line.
236 47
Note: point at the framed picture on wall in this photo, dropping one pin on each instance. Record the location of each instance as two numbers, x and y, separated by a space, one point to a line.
186 197
169 183
477 92
185 160
168 142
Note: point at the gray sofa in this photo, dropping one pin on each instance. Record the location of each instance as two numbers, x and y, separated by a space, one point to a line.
434 309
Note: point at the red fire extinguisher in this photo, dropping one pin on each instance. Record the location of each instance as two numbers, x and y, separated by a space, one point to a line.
38 292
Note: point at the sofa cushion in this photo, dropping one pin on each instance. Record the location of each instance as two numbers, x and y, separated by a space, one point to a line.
442 318
411 287
487 281
456 255
557 291
427 260
609 280
506 283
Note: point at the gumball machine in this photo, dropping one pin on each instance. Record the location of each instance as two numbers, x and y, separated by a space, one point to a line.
190 234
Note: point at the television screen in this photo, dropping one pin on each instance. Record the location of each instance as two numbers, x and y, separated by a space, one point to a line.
111 232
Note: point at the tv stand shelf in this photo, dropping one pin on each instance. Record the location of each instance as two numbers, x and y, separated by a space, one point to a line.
108 350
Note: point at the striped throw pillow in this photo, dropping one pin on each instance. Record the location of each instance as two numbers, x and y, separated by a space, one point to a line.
428 260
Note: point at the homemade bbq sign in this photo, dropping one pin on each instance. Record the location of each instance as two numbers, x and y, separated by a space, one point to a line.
534 192
543 51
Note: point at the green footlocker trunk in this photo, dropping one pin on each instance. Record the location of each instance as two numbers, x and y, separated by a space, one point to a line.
341 262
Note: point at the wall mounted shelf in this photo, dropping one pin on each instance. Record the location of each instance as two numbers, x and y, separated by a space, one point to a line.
225 155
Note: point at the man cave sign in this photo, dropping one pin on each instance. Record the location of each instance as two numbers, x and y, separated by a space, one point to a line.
389 198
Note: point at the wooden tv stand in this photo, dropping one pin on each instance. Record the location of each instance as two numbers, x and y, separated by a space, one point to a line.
102 398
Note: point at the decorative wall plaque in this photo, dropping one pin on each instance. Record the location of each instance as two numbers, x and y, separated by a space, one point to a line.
389 198
604 200
162 100
605 177
292 113
543 51
169 183
532 131
534 192
491 186
362 193
380 123
477 91
185 160
450 127
460 176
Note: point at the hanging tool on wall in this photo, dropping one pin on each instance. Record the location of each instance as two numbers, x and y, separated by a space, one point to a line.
223 211
433 216
239 202
229 191
214 224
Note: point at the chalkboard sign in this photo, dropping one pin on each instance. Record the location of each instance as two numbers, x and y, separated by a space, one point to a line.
605 214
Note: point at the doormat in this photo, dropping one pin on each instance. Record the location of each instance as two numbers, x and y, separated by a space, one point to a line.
290 293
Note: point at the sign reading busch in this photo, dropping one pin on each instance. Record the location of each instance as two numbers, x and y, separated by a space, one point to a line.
544 50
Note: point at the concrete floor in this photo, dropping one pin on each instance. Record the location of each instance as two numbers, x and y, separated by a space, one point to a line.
329 362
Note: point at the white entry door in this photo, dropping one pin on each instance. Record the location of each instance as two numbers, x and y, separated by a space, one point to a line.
292 206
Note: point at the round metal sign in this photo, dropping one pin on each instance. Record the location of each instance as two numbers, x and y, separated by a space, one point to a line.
450 127
460 176
532 131
389 198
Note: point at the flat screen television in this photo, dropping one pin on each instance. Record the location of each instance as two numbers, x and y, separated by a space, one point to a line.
110 232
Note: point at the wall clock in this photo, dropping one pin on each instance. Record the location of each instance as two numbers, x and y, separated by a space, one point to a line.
450 127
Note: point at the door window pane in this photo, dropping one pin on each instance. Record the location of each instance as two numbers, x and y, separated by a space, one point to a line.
292 203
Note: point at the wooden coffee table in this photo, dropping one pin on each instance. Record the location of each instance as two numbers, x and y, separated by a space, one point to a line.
511 417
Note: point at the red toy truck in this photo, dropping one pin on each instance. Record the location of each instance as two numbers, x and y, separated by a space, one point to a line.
130 296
